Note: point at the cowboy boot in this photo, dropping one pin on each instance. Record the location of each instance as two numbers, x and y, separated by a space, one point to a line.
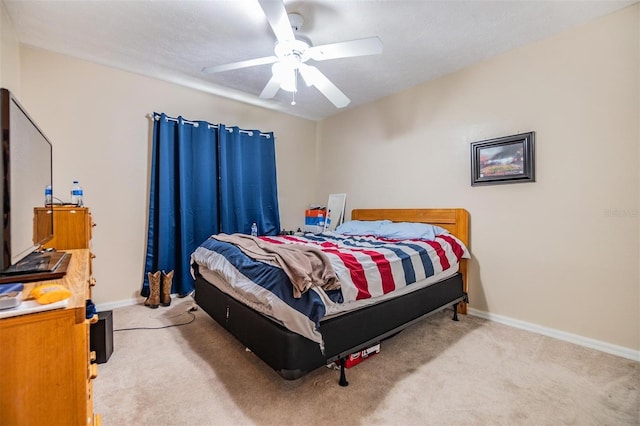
154 290
165 293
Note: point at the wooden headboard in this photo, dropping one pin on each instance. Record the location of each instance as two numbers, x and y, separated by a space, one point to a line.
455 221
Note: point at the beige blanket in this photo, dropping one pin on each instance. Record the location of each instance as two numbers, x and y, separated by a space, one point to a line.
306 266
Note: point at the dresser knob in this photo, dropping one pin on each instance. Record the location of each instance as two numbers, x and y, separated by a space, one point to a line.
93 371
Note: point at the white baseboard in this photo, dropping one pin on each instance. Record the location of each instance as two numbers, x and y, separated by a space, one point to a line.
123 303
560 335
557 334
119 304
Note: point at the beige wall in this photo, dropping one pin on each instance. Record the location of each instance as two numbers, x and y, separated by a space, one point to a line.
96 119
561 252
9 53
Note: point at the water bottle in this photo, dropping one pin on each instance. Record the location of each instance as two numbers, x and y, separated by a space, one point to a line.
76 194
254 229
48 196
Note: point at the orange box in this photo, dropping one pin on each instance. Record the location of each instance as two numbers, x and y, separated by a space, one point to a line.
315 213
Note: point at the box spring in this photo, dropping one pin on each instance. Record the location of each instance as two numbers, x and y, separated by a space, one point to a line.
292 355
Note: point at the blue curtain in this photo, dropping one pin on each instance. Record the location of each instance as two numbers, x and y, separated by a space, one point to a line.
187 182
248 182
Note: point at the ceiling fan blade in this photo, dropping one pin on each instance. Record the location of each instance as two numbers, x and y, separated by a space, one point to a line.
312 75
241 64
278 19
345 49
271 88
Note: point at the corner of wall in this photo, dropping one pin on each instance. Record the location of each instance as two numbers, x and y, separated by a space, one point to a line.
9 52
317 161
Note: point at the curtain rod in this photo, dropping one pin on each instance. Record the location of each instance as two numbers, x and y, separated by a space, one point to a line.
209 125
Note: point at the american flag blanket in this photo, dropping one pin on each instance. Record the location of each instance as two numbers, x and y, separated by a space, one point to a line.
368 269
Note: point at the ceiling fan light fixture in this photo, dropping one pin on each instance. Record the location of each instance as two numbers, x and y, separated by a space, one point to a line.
286 75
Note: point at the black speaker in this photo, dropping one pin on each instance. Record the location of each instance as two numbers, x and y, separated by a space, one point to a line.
101 336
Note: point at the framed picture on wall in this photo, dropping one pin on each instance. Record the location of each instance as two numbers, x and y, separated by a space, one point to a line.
509 159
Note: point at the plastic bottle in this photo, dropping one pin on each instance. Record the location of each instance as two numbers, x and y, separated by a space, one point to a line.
254 229
76 194
48 196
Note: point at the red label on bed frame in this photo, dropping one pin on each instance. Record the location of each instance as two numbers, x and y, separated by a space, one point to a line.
357 357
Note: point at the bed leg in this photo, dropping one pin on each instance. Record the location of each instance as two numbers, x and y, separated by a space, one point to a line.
343 375
455 312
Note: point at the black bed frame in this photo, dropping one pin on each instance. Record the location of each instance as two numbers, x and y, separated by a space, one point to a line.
292 355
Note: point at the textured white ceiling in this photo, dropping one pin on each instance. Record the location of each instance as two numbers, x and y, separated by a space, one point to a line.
174 40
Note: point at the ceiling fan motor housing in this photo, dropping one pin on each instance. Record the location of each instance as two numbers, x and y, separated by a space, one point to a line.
296 48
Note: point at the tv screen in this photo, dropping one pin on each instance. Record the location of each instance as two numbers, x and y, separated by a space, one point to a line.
26 171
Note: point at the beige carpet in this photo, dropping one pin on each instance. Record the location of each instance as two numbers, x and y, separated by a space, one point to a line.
436 372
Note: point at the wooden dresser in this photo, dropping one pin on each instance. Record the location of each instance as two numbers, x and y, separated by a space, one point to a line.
46 367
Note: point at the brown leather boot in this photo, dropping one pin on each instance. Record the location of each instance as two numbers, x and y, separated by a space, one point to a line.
154 290
165 292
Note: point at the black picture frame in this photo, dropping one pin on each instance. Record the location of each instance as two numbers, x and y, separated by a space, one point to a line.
508 159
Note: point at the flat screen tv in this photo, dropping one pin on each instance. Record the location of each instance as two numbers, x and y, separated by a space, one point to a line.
26 170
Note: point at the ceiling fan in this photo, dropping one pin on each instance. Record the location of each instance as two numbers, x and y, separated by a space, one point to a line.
291 55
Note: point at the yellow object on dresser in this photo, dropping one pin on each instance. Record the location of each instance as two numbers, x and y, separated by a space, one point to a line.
50 293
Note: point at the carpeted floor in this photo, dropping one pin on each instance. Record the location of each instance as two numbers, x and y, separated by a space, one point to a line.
436 372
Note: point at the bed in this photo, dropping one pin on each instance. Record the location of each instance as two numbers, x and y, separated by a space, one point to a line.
294 352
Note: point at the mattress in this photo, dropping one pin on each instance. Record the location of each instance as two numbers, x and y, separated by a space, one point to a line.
407 266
